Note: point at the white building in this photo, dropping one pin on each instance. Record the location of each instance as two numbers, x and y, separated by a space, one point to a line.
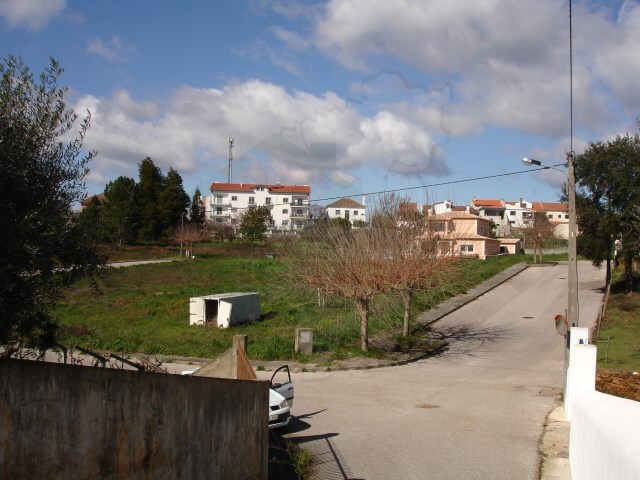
289 204
348 209
519 214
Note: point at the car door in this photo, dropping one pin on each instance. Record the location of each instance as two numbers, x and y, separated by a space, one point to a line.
281 383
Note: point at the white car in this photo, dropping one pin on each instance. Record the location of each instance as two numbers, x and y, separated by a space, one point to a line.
280 397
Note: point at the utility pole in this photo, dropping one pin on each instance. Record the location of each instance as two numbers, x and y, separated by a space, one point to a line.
572 316
231 140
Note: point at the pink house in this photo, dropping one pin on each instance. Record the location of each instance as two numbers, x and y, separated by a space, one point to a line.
461 233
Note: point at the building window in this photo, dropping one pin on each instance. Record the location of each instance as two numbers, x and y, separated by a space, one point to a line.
466 248
355 212
285 211
559 216
512 213
566 217
219 199
480 228
441 227
285 223
299 211
338 212
234 198
252 201
285 200
267 201
550 215
218 210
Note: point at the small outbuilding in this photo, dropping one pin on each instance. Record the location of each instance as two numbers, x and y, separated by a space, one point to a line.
510 245
224 310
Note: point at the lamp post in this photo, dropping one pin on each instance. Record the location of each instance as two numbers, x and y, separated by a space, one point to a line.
572 310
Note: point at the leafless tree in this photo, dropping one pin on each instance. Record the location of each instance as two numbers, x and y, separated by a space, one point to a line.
188 234
347 263
414 246
540 233
388 257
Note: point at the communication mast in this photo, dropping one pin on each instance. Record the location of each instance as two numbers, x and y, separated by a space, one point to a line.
231 140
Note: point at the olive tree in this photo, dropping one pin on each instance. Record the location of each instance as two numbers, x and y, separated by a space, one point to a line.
43 246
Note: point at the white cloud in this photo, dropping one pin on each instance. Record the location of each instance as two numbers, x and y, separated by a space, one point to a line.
292 137
32 14
113 50
508 61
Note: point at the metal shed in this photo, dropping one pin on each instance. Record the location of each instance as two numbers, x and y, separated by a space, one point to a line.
224 310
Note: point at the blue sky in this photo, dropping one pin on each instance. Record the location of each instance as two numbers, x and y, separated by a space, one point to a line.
346 96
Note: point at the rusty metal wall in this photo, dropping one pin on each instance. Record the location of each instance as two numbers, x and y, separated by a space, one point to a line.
73 422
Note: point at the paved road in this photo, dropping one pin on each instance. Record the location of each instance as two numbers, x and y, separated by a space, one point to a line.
476 412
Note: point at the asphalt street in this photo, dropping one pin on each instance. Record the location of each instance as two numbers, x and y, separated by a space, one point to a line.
475 412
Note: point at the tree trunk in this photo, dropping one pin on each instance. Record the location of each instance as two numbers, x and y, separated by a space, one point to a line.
408 296
628 270
362 306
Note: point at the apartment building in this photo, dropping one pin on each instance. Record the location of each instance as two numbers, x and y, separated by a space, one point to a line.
289 204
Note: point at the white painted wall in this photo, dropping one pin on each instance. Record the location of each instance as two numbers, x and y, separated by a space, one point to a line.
604 431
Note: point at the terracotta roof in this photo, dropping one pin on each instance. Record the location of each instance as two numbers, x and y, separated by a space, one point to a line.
509 241
250 187
550 207
456 214
99 197
346 203
487 203
408 207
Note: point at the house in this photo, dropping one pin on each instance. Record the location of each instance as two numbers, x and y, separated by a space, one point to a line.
289 204
519 214
461 233
557 214
494 210
100 199
348 209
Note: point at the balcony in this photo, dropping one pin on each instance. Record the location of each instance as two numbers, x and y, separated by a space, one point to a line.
222 214
298 215
299 204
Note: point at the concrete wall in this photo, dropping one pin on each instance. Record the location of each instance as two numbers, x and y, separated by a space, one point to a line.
604 429
60 421
604 438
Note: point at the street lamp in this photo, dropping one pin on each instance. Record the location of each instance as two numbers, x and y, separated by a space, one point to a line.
572 311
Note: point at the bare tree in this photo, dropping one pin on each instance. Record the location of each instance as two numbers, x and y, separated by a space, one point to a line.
347 263
189 233
390 256
540 233
413 245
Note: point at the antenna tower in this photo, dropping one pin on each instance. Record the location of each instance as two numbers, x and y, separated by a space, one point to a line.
231 140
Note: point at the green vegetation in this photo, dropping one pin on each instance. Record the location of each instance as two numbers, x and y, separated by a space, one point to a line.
146 308
619 339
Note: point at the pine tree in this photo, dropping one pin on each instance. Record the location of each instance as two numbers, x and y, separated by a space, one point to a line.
172 203
196 214
119 214
148 190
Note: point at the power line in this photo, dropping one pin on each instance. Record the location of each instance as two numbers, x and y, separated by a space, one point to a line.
440 184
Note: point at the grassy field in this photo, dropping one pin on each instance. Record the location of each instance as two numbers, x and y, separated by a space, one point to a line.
619 340
146 308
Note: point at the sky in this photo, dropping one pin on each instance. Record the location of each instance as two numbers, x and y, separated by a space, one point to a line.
436 99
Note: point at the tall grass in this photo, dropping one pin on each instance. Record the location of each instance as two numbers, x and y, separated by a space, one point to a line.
146 309
619 339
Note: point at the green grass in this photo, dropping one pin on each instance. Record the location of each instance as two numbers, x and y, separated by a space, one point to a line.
619 339
146 308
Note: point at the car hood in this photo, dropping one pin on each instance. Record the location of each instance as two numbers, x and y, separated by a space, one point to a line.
275 398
